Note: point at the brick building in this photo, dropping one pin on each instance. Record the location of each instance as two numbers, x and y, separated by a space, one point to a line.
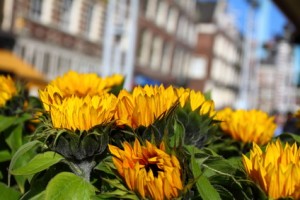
166 41
56 35
217 65
163 43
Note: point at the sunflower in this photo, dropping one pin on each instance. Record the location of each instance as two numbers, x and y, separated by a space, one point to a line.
75 113
7 89
247 126
196 100
114 80
144 105
277 170
75 84
148 170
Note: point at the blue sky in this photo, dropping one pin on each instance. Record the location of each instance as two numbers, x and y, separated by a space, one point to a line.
274 22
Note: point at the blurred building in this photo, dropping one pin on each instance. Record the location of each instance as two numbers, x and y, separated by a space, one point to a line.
277 90
297 71
217 64
267 92
290 9
56 35
150 41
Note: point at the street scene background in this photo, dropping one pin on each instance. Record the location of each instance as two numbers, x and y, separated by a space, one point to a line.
245 52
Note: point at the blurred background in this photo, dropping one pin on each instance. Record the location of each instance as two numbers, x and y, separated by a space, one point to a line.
244 51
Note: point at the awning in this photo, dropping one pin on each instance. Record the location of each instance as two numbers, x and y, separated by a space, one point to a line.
11 63
290 9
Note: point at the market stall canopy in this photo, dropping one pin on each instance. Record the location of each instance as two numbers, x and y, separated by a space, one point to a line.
11 63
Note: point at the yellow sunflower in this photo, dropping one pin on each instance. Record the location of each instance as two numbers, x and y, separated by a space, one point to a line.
247 126
114 80
196 100
75 84
7 89
76 113
148 170
277 170
144 105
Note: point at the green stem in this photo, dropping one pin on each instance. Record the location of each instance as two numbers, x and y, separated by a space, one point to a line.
83 168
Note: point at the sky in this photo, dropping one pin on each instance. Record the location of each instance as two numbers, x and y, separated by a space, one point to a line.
272 25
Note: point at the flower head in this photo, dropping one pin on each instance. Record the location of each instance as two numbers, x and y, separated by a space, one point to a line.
7 89
114 80
277 170
144 105
75 84
247 126
76 113
148 170
196 100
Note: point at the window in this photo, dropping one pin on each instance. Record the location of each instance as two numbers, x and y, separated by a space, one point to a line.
157 53
151 9
177 60
146 48
172 20
46 63
166 59
88 19
35 9
65 13
162 13
23 52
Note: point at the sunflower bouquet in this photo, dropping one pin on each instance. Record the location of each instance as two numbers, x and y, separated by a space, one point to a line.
96 140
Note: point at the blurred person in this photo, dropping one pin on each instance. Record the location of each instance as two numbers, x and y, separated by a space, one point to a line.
290 125
279 120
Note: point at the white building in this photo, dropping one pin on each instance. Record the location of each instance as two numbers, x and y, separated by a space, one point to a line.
276 88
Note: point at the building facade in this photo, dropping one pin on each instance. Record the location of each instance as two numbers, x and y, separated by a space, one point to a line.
57 35
217 64
277 88
163 43
166 41
267 79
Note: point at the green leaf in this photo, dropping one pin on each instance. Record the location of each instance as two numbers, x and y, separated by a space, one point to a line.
67 185
18 158
6 122
14 140
8 193
204 187
114 196
105 167
39 163
39 181
24 117
40 196
21 151
4 155
116 184
289 137
177 139
207 95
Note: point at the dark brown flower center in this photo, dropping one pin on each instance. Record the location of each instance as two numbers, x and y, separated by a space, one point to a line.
154 169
